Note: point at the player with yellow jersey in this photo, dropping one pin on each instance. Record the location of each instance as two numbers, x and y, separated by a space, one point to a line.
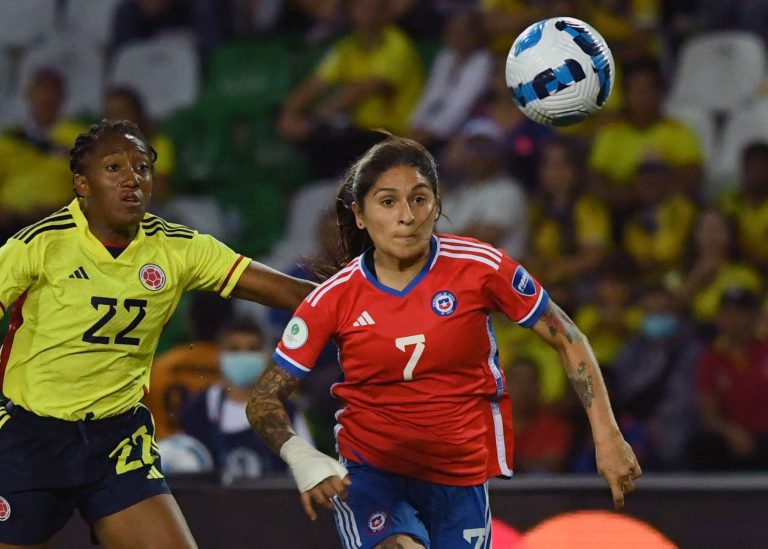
92 287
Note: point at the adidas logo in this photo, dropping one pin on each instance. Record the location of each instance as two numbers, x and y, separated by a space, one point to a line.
364 320
80 273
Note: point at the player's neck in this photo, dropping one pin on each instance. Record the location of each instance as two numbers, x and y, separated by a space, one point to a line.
111 237
396 273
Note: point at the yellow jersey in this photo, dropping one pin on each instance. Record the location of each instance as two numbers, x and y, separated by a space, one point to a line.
85 325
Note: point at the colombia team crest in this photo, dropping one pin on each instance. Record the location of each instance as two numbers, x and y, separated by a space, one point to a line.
444 303
152 277
5 509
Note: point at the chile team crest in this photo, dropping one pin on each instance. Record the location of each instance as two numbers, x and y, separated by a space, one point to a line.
377 521
444 303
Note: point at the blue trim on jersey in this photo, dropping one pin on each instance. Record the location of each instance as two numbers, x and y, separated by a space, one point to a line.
288 366
540 308
493 357
401 293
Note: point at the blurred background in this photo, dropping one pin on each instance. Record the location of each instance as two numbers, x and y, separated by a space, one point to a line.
648 223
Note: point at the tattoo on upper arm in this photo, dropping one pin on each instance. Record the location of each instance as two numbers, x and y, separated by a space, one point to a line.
266 411
559 323
582 383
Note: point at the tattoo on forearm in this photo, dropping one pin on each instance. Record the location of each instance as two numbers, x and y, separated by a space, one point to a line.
559 323
582 383
266 411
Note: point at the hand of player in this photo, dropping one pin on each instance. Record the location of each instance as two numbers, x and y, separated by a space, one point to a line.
323 493
319 477
618 465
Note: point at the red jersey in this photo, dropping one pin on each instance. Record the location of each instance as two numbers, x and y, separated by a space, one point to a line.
738 383
424 394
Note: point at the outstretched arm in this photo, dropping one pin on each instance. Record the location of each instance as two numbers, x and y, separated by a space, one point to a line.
616 461
318 476
272 288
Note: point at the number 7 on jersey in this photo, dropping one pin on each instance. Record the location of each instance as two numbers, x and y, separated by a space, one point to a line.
418 342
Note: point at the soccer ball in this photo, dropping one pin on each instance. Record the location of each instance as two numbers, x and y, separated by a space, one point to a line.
560 71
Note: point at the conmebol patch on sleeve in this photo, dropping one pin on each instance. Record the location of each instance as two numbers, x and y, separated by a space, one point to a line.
523 283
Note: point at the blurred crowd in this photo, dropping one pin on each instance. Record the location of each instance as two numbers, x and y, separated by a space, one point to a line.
648 223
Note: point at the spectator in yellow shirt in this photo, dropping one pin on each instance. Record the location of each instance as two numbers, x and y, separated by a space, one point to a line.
715 267
34 157
748 205
656 233
370 79
643 134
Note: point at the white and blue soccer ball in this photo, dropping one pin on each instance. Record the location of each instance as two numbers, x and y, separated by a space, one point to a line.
560 71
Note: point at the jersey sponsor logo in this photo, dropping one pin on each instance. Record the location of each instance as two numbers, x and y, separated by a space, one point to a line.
5 509
152 277
522 282
377 521
365 319
296 333
80 274
444 303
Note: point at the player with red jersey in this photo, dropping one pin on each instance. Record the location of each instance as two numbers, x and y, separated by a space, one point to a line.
426 420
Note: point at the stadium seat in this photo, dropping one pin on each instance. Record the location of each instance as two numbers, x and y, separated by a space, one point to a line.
743 127
719 71
164 70
250 76
23 22
81 64
303 212
200 141
6 84
91 19
704 124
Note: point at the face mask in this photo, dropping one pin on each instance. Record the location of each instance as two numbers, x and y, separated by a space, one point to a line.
660 325
242 368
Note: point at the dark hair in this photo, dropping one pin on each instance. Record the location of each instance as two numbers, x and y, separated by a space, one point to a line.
362 175
240 324
207 312
86 141
132 96
754 149
646 65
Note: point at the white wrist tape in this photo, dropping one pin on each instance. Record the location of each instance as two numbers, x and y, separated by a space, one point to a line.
309 466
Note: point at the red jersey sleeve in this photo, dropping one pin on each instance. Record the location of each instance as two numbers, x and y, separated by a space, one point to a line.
305 335
513 291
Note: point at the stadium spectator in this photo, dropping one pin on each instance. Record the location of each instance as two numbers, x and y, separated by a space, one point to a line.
542 437
424 426
124 103
207 20
368 80
654 381
610 315
655 234
459 75
642 135
485 202
181 372
733 390
216 416
92 287
34 175
570 225
524 139
715 266
748 204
